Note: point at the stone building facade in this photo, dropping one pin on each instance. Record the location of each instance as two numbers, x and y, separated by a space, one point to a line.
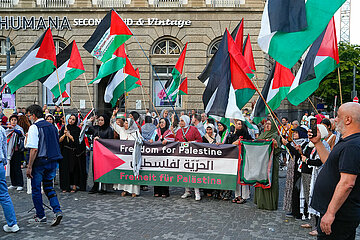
161 28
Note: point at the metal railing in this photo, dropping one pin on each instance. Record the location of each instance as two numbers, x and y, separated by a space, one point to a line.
54 3
6 3
111 3
168 3
225 3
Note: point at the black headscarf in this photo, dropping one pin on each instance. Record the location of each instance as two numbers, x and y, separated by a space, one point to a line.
106 122
243 132
162 130
135 115
225 127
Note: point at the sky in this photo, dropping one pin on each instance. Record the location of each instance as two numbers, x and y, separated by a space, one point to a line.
354 22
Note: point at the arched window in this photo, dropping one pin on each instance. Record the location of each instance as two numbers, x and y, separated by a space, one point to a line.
60 44
3 47
166 47
214 46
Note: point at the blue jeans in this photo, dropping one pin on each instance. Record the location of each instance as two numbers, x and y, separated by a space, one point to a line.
44 174
5 199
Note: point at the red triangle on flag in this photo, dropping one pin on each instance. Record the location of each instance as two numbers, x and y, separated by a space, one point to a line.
120 51
240 35
283 77
129 69
180 63
248 54
184 86
47 48
104 160
118 26
138 76
329 45
75 58
65 95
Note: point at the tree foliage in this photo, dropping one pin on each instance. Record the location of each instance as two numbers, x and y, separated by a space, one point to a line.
329 87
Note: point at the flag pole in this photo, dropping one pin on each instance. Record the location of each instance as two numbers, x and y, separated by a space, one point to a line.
73 102
167 96
341 101
88 90
142 92
312 104
61 98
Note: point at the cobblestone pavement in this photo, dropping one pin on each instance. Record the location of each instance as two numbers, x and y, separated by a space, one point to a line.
111 216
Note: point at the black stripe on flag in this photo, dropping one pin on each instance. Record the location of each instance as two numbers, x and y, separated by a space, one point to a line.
287 16
99 32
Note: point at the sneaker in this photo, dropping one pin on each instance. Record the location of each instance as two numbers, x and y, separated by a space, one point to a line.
36 219
12 229
11 187
19 188
57 219
289 215
186 195
197 197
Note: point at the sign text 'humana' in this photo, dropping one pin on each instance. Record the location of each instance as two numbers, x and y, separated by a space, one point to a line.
33 23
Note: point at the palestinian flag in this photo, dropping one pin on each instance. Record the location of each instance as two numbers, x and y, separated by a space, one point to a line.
228 85
248 54
110 34
69 67
274 91
205 75
115 63
138 83
176 74
65 96
38 62
321 59
288 28
120 82
183 88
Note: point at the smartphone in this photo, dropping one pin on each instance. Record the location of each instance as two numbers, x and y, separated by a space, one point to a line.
313 126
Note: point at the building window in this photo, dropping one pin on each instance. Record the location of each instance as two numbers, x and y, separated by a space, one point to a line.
166 47
169 3
225 3
48 97
110 3
214 47
7 3
3 47
53 3
159 81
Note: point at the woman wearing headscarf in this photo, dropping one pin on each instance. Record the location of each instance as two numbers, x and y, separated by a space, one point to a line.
101 130
242 192
210 137
69 170
50 118
15 153
269 198
188 133
131 132
148 130
223 134
165 114
331 138
164 135
293 175
25 124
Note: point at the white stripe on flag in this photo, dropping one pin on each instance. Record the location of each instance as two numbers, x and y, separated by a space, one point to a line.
232 110
52 80
265 34
30 61
272 92
211 102
118 78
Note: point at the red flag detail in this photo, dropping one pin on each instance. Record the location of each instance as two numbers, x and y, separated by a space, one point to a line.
65 95
180 63
118 26
47 48
240 35
120 51
75 58
238 66
184 86
329 45
283 77
104 160
248 54
129 69
138 82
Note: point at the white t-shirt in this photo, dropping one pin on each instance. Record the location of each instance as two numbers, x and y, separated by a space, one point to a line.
32 140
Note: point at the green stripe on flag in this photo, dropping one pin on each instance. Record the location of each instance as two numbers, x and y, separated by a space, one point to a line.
70 75
243 95
120 89
118 41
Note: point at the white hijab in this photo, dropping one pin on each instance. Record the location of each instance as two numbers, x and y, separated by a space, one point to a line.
186 119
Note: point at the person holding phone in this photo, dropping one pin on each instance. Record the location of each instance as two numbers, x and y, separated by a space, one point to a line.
337 189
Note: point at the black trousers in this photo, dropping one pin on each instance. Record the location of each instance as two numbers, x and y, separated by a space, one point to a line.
340 230
16 175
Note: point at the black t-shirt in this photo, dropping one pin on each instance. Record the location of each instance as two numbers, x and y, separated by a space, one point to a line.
343 158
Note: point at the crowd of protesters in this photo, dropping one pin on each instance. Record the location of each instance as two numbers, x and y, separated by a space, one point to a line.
294 152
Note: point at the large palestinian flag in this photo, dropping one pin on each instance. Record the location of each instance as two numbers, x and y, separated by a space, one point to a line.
229 87
110 34
115 63
69 67
288 28
321 59
205 75
120 82
178 165
274 91
38 62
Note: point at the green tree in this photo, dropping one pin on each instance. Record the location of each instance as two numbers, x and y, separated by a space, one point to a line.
349 56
